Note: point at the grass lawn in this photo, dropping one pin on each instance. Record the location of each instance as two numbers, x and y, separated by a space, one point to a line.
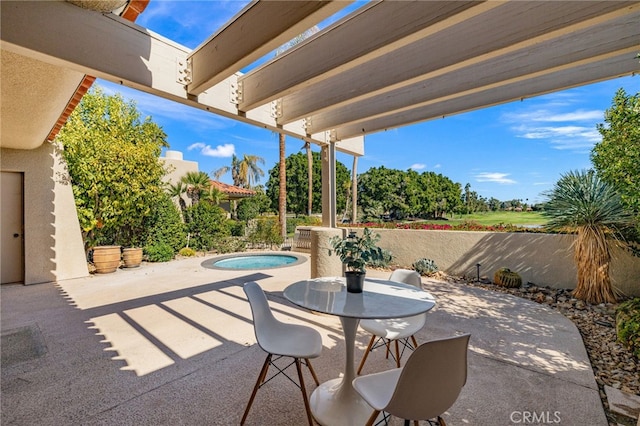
495 218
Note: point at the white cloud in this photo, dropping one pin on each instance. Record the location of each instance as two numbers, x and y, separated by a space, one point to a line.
576 138
500 178
547 116
575 130
417 166
226 150
437 166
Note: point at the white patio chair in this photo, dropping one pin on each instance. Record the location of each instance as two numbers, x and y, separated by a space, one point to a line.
281 340
400 330
427 386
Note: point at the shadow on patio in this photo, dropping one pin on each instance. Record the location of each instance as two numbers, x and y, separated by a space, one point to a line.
173 344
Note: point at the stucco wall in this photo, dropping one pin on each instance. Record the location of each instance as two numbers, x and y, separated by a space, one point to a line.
543 259
52 239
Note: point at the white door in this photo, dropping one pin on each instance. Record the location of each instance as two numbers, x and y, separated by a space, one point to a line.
11 228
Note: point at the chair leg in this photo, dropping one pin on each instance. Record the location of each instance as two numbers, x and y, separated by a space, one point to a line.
263 374
397 354
388 343
372 418
313 373
415 342
304 392
441 421
366 353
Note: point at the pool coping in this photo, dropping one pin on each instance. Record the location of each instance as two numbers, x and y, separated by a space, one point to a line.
210 263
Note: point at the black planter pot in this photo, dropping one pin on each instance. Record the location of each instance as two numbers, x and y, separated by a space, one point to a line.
355 281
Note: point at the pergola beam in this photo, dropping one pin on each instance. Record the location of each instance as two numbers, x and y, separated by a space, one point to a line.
114 49
511 29
608 66
614 38
350 42
258 29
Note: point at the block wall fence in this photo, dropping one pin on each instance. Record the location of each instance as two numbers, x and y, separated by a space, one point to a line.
541 259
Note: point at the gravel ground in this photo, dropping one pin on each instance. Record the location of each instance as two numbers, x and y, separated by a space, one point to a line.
613 364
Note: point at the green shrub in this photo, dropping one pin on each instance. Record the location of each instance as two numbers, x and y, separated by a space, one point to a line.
165 225
425 266
383 262
628 325
187 252
237 228
266 231
206 223
229 245
160 252
302 221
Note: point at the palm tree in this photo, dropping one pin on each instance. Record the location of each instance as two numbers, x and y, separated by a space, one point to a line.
307 147
218 173
245 173
282 193
581 201
197 182
282 181
213 195
177 190
249 172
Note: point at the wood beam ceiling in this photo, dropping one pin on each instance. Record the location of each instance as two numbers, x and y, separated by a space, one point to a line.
258 29
387 64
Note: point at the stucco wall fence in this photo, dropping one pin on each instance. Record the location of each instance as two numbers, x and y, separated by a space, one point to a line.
541 259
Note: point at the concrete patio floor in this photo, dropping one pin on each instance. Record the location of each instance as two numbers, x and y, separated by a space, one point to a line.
173 344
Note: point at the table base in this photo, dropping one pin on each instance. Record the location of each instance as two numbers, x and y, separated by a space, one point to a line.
336 403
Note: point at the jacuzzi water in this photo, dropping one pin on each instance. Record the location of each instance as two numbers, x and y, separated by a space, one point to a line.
256 261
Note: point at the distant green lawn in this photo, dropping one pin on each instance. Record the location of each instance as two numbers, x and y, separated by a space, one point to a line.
495 218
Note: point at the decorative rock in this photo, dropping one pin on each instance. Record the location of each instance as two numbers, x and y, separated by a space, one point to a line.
623 403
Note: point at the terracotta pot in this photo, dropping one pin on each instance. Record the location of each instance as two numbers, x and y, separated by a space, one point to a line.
132 257
355 281
106 259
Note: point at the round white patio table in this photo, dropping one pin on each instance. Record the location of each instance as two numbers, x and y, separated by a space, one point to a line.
335 402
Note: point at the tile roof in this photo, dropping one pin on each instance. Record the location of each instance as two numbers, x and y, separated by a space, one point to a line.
233 191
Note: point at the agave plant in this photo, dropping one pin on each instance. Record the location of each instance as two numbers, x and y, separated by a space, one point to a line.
580 201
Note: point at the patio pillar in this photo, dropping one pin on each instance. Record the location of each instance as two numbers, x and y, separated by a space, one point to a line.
354 190
323 265
329 185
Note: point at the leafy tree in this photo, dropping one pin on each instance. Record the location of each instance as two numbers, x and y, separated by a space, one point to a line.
617 157
297 180
581 201
112 159
406 193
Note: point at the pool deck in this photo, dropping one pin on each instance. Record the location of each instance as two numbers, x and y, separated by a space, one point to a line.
173 344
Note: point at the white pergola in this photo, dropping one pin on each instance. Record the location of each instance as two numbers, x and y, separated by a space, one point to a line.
386 64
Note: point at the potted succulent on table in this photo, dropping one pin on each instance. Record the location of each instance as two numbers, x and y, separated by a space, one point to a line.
355 252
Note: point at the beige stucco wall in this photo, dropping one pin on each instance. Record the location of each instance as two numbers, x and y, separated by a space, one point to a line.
176 166
52 238
543 259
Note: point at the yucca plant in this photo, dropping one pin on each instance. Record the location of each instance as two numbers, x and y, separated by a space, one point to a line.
580 201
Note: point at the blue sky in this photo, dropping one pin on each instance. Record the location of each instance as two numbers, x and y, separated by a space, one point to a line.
510 151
